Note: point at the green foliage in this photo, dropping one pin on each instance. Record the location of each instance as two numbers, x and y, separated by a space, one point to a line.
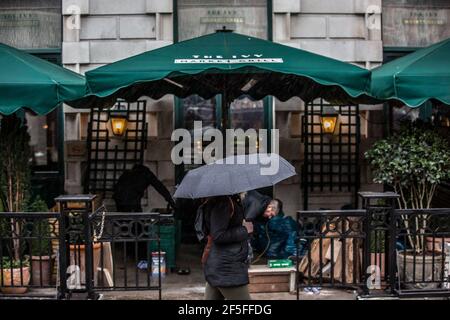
14 169
8 263
14 162
378 245
40 233
413 162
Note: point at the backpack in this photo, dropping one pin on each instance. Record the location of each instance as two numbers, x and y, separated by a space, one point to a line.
201 229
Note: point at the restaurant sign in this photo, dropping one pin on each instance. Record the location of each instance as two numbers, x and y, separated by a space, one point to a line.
215 16
418 25
219 59
20 19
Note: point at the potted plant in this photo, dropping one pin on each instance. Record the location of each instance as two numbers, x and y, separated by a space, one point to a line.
14 185
14 276
413 162
41 257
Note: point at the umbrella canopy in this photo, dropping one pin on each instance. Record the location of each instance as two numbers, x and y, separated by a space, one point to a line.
225 63
233 175
35 84
416 78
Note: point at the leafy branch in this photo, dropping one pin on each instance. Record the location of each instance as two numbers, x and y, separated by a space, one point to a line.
414 162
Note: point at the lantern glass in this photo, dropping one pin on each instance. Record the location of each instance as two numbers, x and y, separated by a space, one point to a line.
328 124
118 124
329 119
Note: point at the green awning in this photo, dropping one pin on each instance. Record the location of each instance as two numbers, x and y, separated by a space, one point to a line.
225 62
421 76
32 83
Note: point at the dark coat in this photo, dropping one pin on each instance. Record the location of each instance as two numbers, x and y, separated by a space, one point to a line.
131 185
226 264
255 204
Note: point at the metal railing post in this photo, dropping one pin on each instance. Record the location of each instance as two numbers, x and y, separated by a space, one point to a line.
392 259
63 255
89 258
380 218
69 205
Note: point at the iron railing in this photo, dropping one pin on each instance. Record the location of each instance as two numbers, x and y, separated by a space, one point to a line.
378 250
334 243
121 257
29 245
423 259
375 250
79 251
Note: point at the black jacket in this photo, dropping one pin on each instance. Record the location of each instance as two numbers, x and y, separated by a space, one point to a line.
226 264
255 204
131 185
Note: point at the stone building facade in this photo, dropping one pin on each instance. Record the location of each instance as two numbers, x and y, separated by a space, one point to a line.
109 30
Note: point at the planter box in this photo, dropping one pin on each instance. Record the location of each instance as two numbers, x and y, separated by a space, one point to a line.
415 272
19 277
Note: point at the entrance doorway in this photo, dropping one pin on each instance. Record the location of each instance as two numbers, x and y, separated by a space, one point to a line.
199 17
244 113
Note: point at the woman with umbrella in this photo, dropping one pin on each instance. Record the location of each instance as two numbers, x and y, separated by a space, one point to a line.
225 255
220 218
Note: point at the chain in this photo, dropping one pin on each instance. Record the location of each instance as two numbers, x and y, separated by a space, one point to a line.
96 235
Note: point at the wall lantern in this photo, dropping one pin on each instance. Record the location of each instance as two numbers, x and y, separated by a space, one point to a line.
119 120
329 119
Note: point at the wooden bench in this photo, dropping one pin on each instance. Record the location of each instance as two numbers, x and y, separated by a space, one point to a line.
265 279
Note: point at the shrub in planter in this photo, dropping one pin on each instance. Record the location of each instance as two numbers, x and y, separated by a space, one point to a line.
14 276
14 173
413 162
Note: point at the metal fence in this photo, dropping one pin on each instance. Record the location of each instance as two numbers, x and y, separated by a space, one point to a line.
333 243
28 243
122 255
378 250
423 262
79 251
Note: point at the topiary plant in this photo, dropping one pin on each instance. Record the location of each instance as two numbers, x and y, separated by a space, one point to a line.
414 162
14 170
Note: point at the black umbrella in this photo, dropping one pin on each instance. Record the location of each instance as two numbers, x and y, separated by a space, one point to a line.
235 174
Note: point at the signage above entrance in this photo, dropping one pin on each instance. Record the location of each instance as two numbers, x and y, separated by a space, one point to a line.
242 58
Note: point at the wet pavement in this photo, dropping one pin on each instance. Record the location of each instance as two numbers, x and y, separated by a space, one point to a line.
192 286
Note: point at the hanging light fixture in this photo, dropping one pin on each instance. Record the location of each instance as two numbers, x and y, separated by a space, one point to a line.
119 121
329 119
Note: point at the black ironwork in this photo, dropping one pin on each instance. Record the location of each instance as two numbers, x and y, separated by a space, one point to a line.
379 260
28 244
125 239
109 156
331 161
423 262
334 241
76 257
96 251
379 250
96 245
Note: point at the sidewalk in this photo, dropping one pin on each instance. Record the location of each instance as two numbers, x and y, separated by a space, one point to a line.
192 286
